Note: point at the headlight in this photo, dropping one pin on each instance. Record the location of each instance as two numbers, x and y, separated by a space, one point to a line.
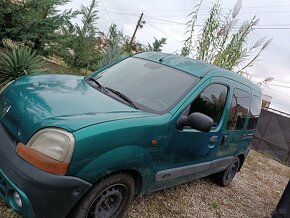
49 149
54 143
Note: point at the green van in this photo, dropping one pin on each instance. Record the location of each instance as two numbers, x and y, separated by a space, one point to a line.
84 147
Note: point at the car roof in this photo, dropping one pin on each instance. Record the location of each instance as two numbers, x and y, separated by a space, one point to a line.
194 67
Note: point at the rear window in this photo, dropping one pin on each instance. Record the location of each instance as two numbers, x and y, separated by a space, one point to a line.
255 111
239 109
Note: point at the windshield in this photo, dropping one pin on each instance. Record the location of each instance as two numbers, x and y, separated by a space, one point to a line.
150 86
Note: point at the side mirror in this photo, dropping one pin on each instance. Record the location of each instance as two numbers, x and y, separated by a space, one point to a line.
196 121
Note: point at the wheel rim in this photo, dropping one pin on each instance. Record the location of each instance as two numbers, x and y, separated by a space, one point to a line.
108 202
232 172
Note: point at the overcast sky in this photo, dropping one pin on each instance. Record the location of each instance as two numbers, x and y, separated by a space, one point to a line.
274 23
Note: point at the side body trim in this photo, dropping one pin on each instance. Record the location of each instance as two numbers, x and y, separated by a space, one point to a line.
222 163
173 173
181 171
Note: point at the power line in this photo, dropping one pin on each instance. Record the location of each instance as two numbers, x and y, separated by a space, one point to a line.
271 28
168 21
264 77
175 15
190 10
274 24
127 14
164 33
263 12
179 23
258 27
183 15
203 9
268 6
242 12
277 85
282 93
269 84
107 11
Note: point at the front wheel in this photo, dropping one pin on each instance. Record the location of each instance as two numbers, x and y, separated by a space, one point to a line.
225 177
110 198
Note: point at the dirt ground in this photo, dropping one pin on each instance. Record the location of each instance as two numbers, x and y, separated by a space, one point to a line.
254 192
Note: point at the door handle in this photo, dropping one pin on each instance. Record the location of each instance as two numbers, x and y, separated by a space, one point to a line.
224 140
214 139
248 136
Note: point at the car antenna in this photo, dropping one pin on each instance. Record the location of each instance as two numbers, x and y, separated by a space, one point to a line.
161 59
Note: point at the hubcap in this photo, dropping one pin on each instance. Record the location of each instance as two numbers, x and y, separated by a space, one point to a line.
108 202
232 172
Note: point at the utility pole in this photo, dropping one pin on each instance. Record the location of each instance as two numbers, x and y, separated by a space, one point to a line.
137 26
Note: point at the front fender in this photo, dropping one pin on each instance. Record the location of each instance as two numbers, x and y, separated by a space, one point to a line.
129 157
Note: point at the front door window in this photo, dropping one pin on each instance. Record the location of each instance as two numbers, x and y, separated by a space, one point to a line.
211 102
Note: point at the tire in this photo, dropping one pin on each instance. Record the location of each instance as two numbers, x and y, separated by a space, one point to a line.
225 177
109 198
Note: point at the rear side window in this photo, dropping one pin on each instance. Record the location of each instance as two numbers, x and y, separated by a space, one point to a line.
211 102
239 110
255 111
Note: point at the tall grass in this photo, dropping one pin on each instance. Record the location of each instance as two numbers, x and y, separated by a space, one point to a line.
222 41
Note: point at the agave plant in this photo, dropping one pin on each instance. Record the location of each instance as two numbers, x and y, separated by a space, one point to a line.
17 61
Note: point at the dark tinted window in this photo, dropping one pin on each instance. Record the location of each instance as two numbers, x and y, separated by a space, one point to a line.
211 102
254 112
151 86
239 110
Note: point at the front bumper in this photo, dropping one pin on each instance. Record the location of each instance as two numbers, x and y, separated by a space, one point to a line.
43 195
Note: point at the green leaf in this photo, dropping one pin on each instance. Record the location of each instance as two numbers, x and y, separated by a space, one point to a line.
18 61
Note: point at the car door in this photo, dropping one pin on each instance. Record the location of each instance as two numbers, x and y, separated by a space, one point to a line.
190 151
234 136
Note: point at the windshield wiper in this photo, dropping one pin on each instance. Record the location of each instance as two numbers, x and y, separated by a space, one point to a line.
121 95
91 79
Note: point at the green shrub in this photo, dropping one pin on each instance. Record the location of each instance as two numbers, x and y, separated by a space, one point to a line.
18 61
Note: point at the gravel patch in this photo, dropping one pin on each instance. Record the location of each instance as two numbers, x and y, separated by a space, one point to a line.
254 192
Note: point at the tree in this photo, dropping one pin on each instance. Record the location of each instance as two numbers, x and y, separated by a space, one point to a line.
35 23
40 25
114 45
221 42
157 45
80 41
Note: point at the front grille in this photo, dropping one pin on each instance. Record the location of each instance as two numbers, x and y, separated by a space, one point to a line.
3 187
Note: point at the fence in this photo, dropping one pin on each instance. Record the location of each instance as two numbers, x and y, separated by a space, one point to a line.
272 135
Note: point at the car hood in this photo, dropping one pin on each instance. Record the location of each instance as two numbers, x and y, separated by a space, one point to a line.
35 102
